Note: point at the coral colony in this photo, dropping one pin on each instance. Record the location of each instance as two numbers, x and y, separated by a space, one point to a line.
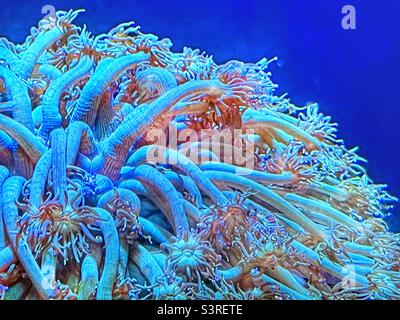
129 171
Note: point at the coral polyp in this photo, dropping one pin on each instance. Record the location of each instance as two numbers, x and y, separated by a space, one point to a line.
129 171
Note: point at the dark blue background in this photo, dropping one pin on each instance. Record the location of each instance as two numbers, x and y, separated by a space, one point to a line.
354 75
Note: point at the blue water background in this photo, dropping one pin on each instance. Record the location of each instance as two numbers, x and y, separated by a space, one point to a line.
353 75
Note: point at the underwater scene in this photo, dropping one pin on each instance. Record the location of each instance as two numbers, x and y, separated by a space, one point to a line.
229 163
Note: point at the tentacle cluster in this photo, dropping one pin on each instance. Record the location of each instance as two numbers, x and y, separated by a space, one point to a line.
97 202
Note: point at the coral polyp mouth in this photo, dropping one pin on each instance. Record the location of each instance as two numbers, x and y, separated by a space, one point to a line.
129 171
